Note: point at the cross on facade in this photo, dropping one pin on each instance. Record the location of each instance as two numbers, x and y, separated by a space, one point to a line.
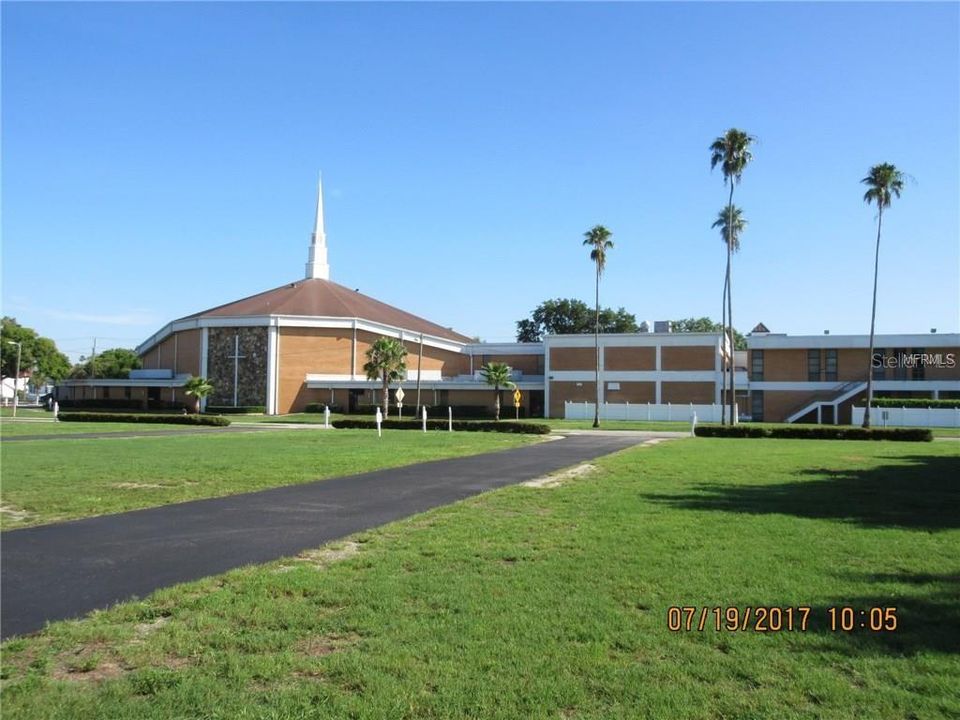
236 357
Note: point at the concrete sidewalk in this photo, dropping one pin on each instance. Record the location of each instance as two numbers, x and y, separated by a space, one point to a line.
65 570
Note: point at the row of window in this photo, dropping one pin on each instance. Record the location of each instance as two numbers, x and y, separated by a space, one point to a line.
822 366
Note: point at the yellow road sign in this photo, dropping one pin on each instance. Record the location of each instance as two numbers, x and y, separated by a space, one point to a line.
516 397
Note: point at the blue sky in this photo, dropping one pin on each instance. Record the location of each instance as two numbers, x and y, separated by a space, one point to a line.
159 159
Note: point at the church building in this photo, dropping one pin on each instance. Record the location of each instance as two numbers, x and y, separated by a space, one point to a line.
305 343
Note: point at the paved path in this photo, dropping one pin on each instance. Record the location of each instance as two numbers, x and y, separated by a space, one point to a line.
65 570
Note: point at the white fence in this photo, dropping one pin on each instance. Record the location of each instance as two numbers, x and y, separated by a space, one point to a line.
643 411
909 417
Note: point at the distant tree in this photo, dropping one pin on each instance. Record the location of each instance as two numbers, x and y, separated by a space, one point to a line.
114 363
883 182
38 354
386 362
197 388
498 375
567 316
705 324
732 152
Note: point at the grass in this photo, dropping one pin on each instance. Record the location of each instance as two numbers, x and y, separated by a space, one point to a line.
51 480
552 603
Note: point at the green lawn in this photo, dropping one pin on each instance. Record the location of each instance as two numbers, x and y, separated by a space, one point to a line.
49 480
553 603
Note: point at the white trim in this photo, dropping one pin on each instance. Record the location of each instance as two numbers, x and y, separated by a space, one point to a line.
176 382
885 385
634 376
504 348
313 383
710 340
791 342
272 358
546 377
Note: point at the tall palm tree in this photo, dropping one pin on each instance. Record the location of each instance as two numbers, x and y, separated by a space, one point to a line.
732 152
883 182
498 375
730 233
598 239
197 388
385 362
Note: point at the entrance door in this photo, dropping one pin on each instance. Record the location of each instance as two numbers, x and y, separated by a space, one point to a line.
536 403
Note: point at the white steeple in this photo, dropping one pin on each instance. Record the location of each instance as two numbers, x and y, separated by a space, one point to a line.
317 265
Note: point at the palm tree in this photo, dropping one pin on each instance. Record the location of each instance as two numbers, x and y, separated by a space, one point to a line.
498 375
598 238
883 182
197 388
385 362
732 152
730 233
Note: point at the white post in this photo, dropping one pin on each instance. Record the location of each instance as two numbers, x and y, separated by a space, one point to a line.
736 413
56 410
449 419
648 411
669 412
326 416
379 420
627 411
693 424
424 418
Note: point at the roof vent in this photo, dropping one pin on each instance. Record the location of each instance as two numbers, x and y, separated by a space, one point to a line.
662 326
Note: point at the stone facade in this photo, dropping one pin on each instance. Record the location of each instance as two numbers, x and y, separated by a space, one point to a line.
251 368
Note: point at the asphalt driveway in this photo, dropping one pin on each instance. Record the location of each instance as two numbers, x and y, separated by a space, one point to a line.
68 569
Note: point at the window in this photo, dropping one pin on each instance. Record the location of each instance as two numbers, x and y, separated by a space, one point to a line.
813 365
900 367
919 370
756 406
879 355
830 371
756 365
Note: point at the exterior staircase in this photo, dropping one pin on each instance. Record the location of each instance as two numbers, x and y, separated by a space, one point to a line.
832 397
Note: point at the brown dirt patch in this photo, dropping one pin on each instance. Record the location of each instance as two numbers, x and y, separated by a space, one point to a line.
558 478
11 512
136 486
321 645
322 557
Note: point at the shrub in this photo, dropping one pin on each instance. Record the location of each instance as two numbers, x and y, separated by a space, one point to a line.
109 404
231 410
319 406
817 432
740 431
212 420
912 403
504 426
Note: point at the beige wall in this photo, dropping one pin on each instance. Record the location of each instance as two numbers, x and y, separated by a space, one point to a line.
791 365
687 358
309 350
627 358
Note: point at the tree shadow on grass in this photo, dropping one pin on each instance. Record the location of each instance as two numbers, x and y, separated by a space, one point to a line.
921 492
927 615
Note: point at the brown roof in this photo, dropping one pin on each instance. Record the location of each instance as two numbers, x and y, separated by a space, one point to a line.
314 297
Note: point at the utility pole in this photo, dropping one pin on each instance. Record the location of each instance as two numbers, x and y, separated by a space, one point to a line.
93 367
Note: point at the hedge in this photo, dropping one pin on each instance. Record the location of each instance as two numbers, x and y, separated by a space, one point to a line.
816 432
120 404
231 410
318 407
504 426
144 418
912 403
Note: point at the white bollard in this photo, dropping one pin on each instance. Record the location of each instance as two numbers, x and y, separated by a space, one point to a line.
56 410
669 412
326 416
648 412
693 424
449 419
627 411
379 421
424 418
